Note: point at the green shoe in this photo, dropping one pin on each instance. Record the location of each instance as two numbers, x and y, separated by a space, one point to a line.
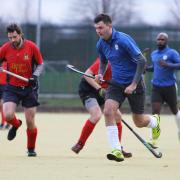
116 155
156 131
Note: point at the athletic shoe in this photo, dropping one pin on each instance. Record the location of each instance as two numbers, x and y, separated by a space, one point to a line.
116 155
156 131
126 154
12 132
31 153
1 126
7 126
77 147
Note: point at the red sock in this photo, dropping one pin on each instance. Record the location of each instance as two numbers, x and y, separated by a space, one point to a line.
2 118
31 138
86 131
14 122
119 126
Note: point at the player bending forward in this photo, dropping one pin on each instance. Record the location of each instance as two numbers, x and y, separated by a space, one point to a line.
92 95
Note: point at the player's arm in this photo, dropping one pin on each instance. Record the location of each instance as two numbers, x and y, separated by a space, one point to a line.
102 66
91 81
141 62
93 70
39 68
149 68
175 59
175 66
2 54
39 61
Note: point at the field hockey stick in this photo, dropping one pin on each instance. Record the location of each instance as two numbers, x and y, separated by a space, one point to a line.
147 145
71 67
146 51
13 74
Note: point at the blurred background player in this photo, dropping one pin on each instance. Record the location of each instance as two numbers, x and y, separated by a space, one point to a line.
92 95
4 124
23 58
164 61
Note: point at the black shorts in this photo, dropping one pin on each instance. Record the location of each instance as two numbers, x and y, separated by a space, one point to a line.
86 91
1 90
166 94
26 95
136 100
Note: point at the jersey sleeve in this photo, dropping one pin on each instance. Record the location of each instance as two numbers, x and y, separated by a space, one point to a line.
175 56
37 55
2 53
130 47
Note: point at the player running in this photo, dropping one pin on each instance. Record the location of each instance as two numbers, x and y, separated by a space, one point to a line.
23 58
4 124
164 61
128 64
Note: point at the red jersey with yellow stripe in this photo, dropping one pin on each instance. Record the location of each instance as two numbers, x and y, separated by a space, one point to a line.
107 76
21 61
3 75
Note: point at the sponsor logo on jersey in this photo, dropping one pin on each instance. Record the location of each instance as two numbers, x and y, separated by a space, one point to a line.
165 57
116 47
26 56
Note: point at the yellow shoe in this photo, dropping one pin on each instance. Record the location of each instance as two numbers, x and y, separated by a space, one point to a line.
156 131
116 155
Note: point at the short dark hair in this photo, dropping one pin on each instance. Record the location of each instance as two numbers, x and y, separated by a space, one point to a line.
103 17
14 27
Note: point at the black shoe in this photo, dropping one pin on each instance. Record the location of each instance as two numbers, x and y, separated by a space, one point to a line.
127 154
12 132
1 126
77 147
31 153
7 126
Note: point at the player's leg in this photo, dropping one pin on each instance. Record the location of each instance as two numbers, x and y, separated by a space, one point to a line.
31 130
114 97
30 103
136 101
2 116
1 109
10 101
171 100
9 109
94 110
119 126
157 99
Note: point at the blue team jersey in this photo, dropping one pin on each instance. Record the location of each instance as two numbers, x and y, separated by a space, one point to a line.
121 51
164 76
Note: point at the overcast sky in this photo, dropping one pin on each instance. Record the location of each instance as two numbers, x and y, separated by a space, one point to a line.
153 11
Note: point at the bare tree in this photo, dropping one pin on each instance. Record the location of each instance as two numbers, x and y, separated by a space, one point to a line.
28 10
123 12
174 11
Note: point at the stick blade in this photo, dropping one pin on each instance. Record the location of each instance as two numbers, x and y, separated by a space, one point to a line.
69 66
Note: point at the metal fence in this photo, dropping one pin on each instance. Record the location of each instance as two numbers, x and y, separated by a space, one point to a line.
77 45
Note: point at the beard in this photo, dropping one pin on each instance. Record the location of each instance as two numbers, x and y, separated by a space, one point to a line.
161 47
16 44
